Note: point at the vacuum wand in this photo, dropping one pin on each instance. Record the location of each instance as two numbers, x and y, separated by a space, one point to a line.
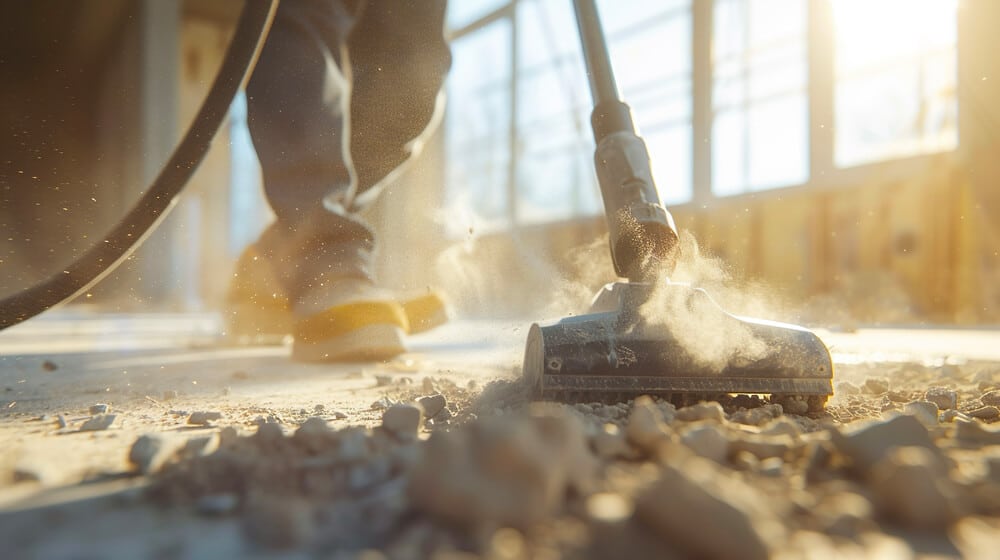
642 232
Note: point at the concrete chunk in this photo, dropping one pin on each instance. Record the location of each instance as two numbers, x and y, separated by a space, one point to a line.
868 444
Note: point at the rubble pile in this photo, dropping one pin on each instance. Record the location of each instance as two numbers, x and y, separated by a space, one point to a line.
639 479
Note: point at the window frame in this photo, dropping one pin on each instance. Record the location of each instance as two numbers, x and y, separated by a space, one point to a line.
822 172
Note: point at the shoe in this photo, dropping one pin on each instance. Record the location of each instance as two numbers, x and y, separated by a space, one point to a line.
363 330
362 323
256 305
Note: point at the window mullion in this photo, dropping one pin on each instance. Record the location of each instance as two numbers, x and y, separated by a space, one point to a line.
512 195
701 100
820 89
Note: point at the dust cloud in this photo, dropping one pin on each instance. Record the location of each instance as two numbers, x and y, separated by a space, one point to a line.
513 277
712 337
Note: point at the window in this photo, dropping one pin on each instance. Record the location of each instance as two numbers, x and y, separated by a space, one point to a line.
650 45
518 132
895 72
760 111
464 12
551 156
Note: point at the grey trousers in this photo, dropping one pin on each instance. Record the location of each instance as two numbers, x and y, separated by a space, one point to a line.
341 88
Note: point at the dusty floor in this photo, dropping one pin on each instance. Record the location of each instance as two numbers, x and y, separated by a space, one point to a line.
905 463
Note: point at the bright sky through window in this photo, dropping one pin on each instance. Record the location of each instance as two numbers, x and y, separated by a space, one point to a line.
895 70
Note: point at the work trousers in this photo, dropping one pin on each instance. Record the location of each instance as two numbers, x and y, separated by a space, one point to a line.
341 90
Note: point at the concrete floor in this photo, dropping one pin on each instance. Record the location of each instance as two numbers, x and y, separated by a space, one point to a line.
153 370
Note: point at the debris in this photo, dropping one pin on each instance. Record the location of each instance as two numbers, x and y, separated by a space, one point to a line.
24 473
203 417
868 444
403 420
98 423
772 466
954 415
991 398
513 470
383 380
49 365
169 394
875 386
847 388
985 413
706 440
382 404
757 416
61 421
151 451
433 404
721 516
924 411
911 486
99 408
763 447
710 411
646 428
609 443
944 398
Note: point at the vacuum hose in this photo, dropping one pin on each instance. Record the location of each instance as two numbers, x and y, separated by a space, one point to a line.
160 197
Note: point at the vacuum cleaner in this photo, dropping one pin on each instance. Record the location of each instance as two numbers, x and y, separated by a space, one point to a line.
621 349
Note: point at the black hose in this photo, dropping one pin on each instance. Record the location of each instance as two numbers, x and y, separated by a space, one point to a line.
160 197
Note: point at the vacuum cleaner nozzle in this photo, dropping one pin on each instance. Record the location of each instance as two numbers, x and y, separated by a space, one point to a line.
614 353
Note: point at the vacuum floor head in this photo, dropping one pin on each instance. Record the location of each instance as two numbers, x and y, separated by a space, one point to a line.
620 350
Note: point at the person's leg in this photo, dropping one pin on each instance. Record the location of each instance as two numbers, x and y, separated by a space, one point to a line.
298 101
399 59
318 251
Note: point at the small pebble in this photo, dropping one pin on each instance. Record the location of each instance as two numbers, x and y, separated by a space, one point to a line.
403 420
49 365
990 399
944 398
98 423
924 411
772 466
847 388
875 386
433 404
203 417
985 413
99 408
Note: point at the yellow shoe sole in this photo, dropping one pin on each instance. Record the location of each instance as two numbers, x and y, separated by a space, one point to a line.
425 312
357 331
252 323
